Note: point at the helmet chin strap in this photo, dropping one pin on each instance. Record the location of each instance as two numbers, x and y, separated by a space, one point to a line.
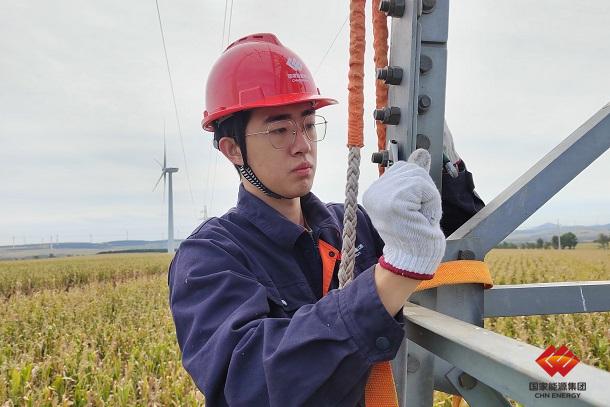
249 175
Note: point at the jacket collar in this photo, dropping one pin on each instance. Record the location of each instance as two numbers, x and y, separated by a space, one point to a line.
276 226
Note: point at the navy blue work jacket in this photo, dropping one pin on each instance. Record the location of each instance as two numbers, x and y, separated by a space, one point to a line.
251 322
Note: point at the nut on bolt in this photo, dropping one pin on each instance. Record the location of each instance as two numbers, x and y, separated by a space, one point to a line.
466 381
382 158
425 64
391 75
423 104
388 115
422 141
393 8
428 6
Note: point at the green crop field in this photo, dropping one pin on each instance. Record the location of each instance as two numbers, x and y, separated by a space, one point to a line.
97 330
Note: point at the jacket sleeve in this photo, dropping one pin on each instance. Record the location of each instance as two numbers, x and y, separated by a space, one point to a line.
239 356
459 200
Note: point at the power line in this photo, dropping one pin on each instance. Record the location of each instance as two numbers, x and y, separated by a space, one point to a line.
224 26
230 19
228 30
331 46
171 85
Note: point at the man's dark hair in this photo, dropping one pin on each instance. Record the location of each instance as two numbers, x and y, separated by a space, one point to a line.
234 126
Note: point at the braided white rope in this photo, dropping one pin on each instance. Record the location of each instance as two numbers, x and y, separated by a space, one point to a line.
348 251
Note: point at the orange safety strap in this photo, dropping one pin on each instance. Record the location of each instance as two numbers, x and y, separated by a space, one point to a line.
459 272
380 390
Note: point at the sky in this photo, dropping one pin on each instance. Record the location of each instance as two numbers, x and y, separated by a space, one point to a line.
85 96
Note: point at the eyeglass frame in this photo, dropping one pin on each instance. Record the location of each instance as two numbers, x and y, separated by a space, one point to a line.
294 132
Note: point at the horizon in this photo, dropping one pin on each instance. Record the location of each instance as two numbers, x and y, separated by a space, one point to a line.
565 229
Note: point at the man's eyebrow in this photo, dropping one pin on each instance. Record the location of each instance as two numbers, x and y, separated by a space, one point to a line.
286 116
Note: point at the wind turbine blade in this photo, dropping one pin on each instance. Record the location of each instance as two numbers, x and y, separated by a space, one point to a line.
164 175
159 180
158 162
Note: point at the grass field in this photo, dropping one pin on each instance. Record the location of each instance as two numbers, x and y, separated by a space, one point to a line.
97 330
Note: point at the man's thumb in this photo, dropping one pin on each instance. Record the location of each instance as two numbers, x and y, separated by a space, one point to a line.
420 157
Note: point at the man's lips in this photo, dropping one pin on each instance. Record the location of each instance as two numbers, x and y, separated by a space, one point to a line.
303 166
303 169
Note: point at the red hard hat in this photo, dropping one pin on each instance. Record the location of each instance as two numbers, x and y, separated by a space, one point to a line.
257 71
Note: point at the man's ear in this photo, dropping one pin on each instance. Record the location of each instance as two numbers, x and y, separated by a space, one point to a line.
230 149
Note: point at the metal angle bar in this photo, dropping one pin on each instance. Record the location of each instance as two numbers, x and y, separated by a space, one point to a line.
534 188
476 393
502 363
435 27
404 47
547 298
430 124
403 53
417 391
461 301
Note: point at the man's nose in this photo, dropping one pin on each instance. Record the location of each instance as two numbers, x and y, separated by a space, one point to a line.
301 142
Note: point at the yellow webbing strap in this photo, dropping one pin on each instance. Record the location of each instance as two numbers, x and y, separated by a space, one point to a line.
459 272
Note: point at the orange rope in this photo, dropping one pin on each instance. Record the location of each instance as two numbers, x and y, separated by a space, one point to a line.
380 44
355 122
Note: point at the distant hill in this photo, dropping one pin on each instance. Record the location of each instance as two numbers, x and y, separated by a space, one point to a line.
546 231
32 251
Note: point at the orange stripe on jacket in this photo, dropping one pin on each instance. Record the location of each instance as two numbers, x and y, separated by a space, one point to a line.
380 388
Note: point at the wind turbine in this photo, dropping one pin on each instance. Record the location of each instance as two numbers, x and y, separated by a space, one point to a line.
170 201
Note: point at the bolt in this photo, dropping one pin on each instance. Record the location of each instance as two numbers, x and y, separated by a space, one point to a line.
428 6
393 8
423 104
467 382
387 115
412 364
391 75
425 64
381 158
422 142
379 114
466 255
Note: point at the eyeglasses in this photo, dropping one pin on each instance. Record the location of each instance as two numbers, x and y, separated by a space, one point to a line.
282 133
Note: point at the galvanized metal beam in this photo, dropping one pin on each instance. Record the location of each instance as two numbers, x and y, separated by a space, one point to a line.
418 388
404 42
418 47
502 363
534 188
547 298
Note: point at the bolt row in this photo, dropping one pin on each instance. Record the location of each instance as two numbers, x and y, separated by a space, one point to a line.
393 75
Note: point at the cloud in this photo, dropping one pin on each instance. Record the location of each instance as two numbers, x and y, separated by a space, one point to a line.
85 94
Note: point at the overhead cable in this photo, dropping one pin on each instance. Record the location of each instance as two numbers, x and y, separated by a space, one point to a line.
331 45
171 85
223 45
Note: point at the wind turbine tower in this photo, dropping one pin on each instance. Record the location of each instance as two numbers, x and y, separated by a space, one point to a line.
165 171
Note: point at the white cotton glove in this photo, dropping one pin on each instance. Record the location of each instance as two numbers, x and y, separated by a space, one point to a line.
449 147
405 208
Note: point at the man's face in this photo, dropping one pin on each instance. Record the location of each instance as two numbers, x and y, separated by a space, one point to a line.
288 171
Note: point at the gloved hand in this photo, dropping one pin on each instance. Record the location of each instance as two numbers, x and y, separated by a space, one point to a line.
449 147
405 208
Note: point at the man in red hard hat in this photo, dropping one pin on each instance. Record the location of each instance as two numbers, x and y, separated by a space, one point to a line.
253 292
